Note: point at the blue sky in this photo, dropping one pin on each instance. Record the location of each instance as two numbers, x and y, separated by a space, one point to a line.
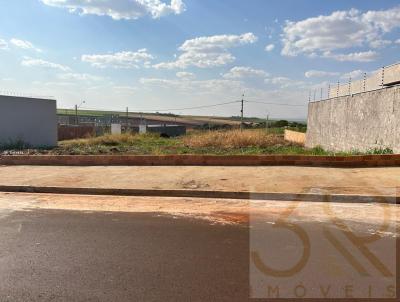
159 54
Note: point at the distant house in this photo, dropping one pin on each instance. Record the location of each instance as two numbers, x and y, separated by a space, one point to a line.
28 121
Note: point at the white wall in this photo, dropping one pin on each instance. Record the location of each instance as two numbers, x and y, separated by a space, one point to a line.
34 121
361 122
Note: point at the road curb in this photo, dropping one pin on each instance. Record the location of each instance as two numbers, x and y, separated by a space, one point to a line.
278 196
390 160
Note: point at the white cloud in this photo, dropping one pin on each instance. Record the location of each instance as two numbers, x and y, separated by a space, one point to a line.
206 52
185 75
218 42
386 20
120 9
125 59
320 74
278 80
364 56
355 74
79 77
3 44
397 41
380 43
269 47
56 84
31 62
23 44
196 86
239 72
124 89
339 31
284 82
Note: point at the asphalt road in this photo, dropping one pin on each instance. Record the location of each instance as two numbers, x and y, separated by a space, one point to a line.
74 256
82 255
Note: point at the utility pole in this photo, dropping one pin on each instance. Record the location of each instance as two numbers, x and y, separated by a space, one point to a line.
267 123
76 112
241 113
127 118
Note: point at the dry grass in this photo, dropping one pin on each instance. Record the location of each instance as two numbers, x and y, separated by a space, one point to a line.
231 142
233 139
105 140
118 144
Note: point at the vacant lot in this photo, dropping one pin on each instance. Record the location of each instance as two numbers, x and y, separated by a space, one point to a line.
231 142
221 142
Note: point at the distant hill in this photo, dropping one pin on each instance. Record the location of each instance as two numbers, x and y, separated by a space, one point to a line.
162 118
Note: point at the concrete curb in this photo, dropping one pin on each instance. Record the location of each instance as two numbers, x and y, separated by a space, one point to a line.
310 197
203 160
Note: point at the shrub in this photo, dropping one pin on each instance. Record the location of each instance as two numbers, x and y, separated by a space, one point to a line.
378 151
17 144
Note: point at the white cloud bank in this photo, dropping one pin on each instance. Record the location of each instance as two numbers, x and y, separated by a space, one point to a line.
120 9
320 74
206 52
355 74
23 44
79 77
18 43
285 82
363 56
3 44
120 60
240 72
342 30
196 87
31 62
185 75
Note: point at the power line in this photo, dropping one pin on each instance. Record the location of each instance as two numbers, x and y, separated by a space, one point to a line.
198 107
173 109
278 104
201 107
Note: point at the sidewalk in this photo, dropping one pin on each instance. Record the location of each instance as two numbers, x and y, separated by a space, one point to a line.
294 180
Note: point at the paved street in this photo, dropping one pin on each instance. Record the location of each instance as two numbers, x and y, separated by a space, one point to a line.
87 248
52 255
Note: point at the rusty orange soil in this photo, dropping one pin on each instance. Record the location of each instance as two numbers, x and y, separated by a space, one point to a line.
214 211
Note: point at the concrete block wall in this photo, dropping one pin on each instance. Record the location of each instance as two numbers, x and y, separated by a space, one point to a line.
33 121
295 137
360 122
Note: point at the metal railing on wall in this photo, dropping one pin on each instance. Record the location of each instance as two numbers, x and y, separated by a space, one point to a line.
387 76
25 95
